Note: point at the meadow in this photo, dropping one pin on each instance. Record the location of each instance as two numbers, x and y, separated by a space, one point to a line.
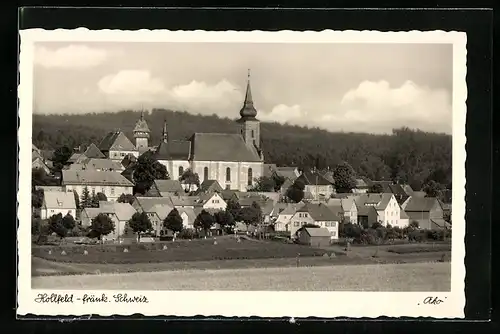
364 277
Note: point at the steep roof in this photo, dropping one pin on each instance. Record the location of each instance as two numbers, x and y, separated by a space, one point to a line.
290 209
314 178
248 111
287 172
222 147
146 203
185 200
345 203
93 152
141 125
318 212
210 185
96 164
380 201
161 210
59 199
421 204
88 177
173 150
317 231
189 212
116 141
361 184
328 175
365 210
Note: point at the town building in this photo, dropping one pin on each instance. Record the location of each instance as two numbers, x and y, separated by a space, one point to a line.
387 207
315 214
427 211
316 185
111 184
120 214
315 236
55 202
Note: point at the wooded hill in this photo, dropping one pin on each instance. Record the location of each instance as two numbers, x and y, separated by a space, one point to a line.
406 155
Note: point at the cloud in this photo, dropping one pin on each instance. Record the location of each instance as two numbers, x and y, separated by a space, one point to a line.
378 107
285 114
131 82
71 56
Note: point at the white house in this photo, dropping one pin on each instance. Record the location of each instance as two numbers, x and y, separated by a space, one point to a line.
388 209
284 215
55 202
316 214
119 213
111 184
188 216
212 201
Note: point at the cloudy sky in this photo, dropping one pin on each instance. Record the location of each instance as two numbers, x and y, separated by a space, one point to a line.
338 87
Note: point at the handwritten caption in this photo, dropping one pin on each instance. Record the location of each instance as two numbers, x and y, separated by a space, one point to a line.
69 298
432 301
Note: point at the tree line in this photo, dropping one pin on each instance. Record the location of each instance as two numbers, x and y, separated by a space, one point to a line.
407 155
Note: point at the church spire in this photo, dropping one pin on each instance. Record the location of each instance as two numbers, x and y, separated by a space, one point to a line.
248 111
165 133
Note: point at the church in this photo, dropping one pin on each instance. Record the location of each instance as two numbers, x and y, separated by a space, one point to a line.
235 160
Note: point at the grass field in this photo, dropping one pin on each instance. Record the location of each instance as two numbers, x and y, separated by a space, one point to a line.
364 277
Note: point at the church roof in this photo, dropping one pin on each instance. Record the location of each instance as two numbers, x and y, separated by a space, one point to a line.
116 140
222 147
248 111
93 152
141 125
173 150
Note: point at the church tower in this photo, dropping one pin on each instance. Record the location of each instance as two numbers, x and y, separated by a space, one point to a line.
164 134
141 134
249 124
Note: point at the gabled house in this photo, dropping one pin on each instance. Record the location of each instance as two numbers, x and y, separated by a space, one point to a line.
55 202
361 186
157 214
116 146
315 237
427 211
316 184
119 213
111 184
38 163
284 215
349 208
288 173
388 209
209 186
367 216
165 188
316 214
188 216
92 152
211 201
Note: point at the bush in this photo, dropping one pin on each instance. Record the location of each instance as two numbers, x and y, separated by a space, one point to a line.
187 233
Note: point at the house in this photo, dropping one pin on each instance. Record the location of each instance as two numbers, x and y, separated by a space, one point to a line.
145 204
111 184
119 213
316 214
38 163
188 216
367 215
209 186
212 201
92 152
55 202
427 211
361 186
349 208
157 214
165 188
388 209
185 201
328 175
266 210
284 215
97 164
315 236
316 184
116 146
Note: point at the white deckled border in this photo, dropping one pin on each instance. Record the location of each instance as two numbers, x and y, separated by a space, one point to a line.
249 303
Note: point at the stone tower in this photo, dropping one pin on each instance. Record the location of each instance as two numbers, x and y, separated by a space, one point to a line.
141 134
249 124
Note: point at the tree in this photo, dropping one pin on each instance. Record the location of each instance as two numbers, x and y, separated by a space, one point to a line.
101 225
68 222
415 224
234 208
376 225
173 221
345 178
433 189
61 157
296 191
86 200
94 200
147 169
126 198
77 199
36 225
263 184
140 223
40 178
225 219
56 226
37 198
376 188
278 181
250 215
204 221
101 197
190 178
258 209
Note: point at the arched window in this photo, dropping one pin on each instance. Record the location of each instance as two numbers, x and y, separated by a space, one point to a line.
181 171
250 176
253 134
228 174
205 173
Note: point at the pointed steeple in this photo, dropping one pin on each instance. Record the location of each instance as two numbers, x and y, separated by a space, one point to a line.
248 111
165 133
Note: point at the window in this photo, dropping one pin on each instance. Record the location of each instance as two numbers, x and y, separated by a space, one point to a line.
253 134
334 233
181 170
122 154
296 224
333 224
250 176
93 190
102 190
228 174
51 210
112 190
205 173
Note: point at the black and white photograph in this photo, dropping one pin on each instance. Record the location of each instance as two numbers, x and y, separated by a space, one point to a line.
325 168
